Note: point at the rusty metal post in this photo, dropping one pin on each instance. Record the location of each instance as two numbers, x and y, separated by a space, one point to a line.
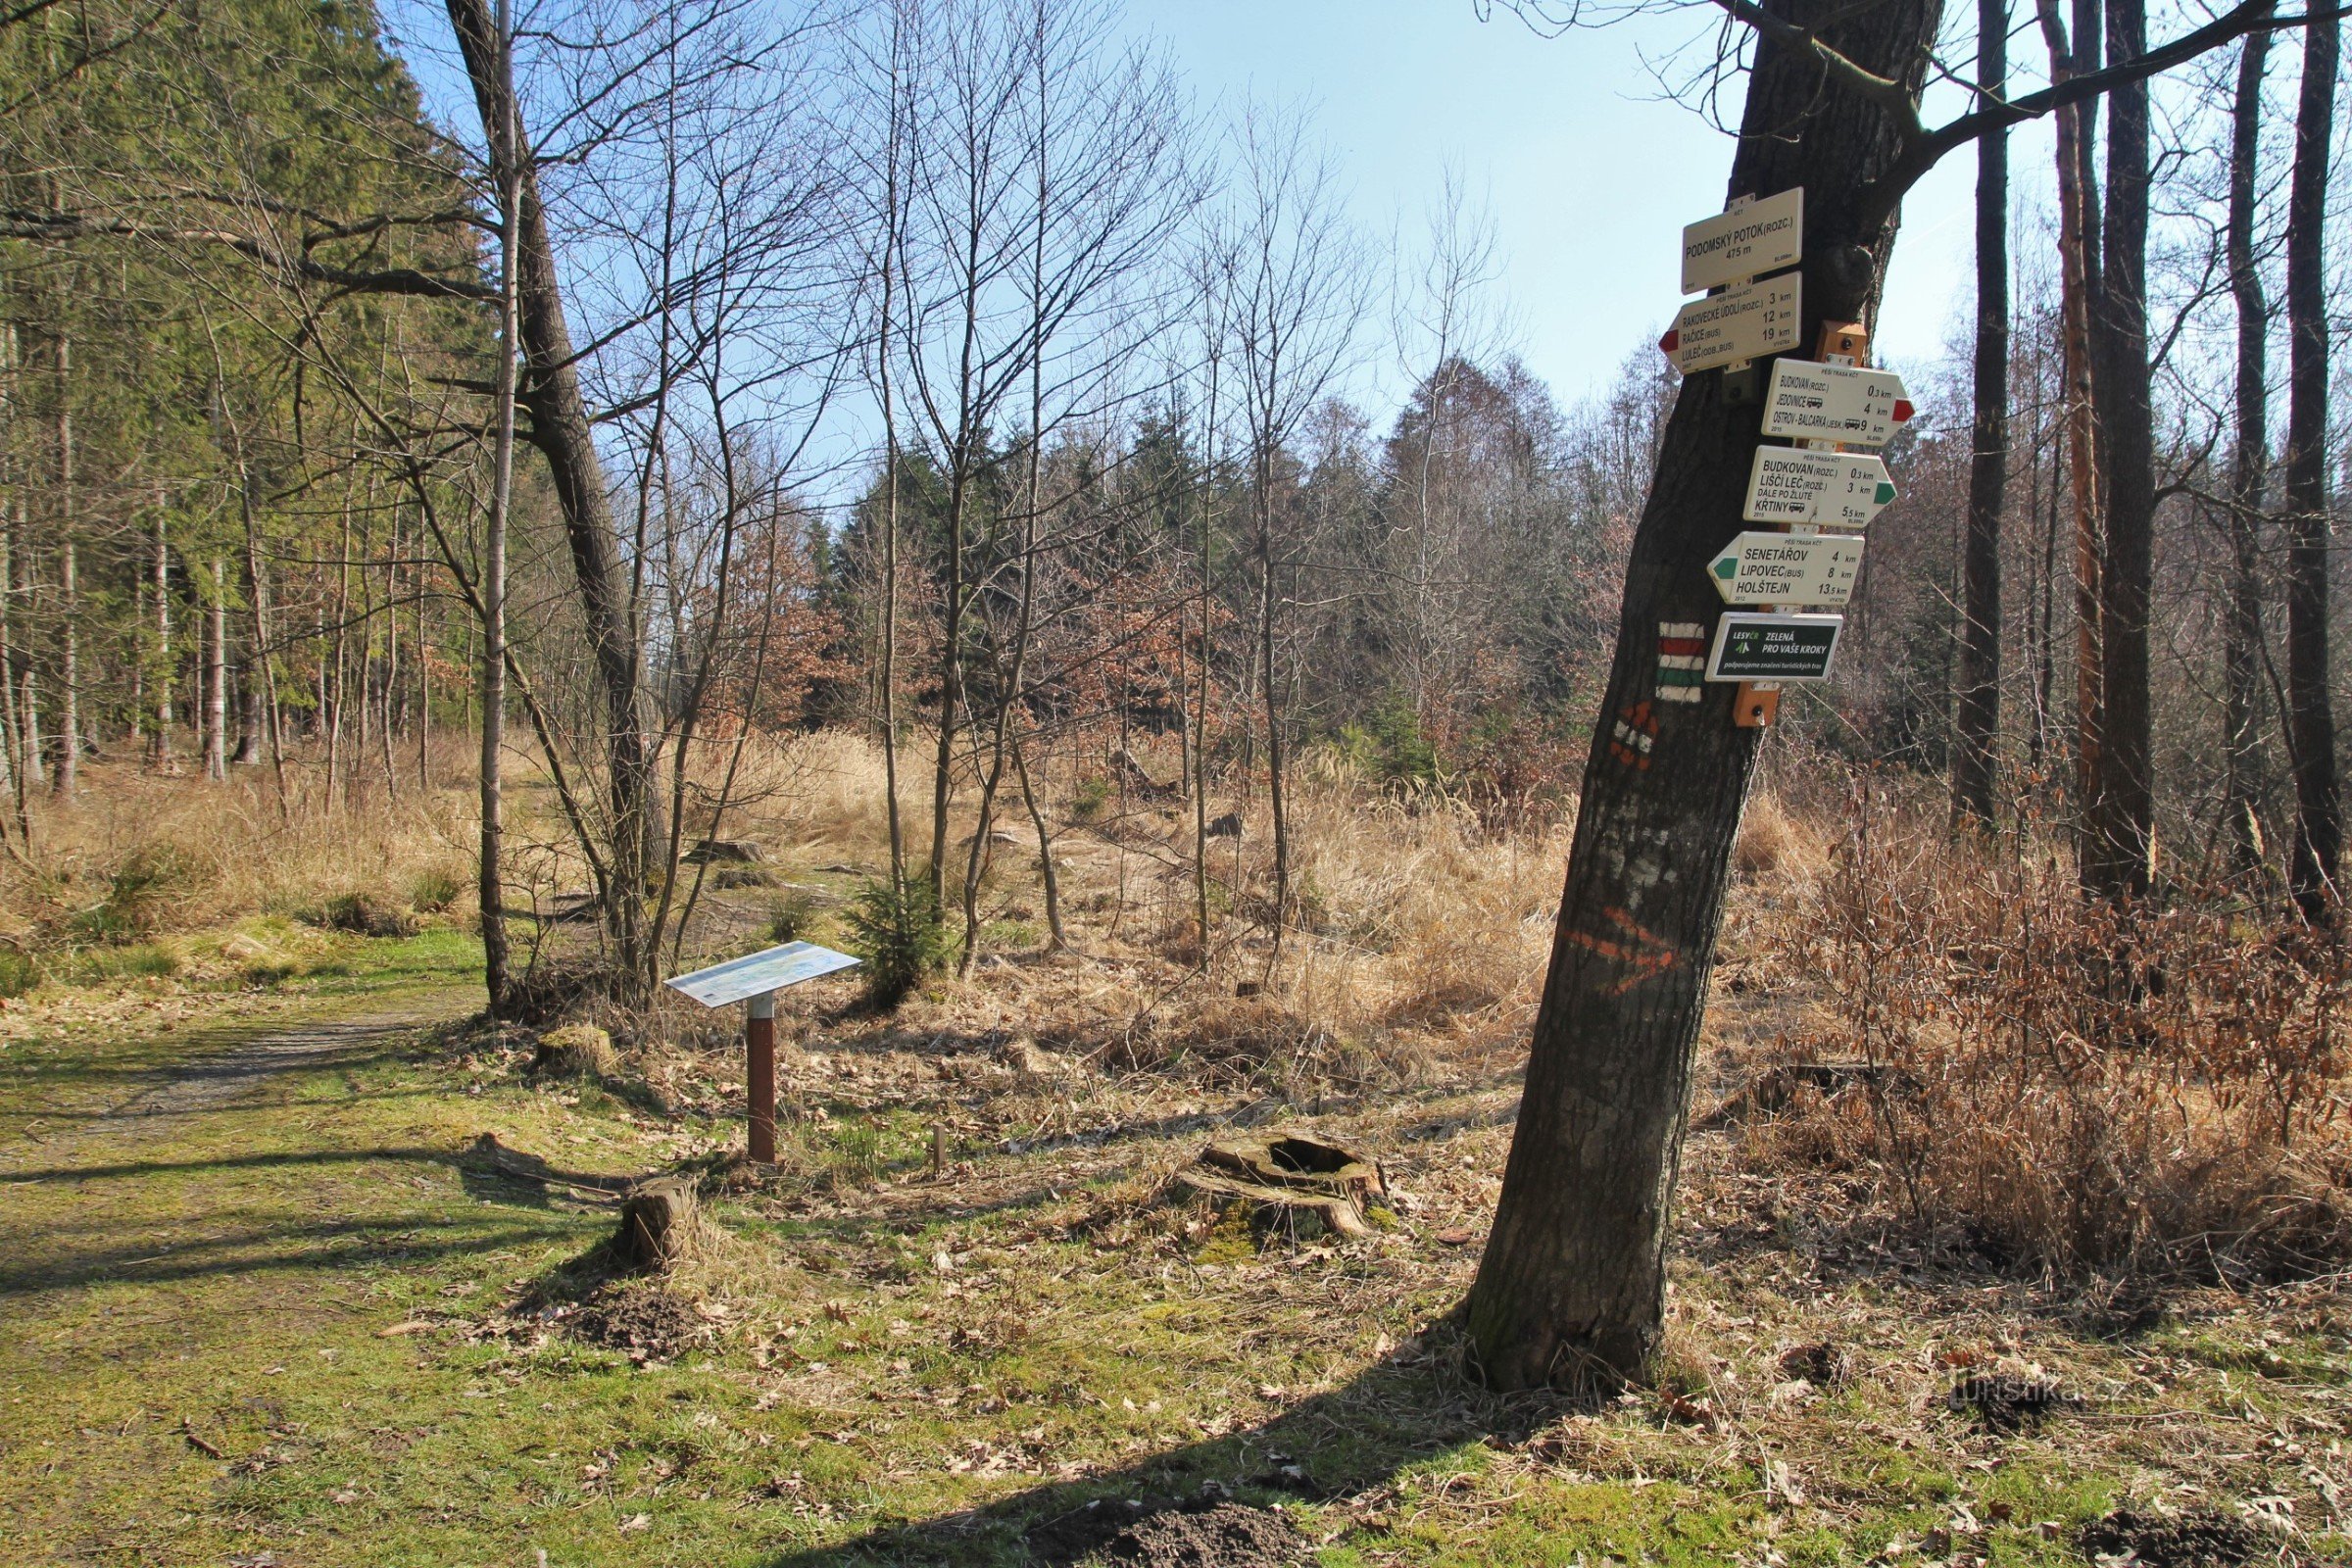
760 1074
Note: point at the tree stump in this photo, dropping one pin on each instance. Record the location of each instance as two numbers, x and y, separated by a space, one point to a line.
579 1049
718 851
661 1225
1292 1171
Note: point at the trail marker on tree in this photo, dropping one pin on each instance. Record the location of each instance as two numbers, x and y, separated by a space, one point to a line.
1774 648
755 980
1746 321
1829 489
1793 569
1746 241
1809 401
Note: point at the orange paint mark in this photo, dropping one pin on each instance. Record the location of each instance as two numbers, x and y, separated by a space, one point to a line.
1642 952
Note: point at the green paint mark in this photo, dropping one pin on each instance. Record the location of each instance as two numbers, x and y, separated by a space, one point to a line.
1727 567
1886 492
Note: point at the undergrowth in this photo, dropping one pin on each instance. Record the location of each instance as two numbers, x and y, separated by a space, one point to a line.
2068 1082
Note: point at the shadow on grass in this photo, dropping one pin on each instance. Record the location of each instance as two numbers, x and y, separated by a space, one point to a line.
326 1247
50 1261
1411 1408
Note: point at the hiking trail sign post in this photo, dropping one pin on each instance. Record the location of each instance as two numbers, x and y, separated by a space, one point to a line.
1752 647
1826 489
1811 401
755 980
1743 323
1785 568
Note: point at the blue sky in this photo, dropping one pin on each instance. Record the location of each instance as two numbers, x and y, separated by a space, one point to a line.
1589 169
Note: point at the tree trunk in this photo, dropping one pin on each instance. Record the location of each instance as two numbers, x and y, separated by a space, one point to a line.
1978 721
1571 1289
490 882
2311 716
68 672
2078 272
28 705
559 429
2243 641
162 752
215 686
1265 652
2120 848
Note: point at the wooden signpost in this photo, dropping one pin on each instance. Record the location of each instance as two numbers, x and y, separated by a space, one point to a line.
755 981
1793 569
1826 489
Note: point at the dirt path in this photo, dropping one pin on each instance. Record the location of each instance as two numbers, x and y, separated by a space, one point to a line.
214 1081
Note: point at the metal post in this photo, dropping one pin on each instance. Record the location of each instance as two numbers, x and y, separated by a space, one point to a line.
760 1073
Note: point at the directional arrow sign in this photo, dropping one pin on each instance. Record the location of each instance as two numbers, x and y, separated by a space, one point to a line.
1743 323
1809 401
1777 648
1781 568
1763 236
1836 489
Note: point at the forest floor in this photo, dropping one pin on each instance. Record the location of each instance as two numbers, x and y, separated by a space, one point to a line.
269 1299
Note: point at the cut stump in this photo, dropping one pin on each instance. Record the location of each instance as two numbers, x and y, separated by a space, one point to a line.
1292 1170
661 1225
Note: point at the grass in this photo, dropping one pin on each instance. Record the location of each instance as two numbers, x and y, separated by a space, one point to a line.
304 1319
887 1355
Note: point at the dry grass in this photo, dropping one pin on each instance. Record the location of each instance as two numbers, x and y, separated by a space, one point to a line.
136 855
2064 1082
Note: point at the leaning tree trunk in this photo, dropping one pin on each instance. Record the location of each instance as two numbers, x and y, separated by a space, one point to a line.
2119 849
2241 642
561 430
1978 718
2311 719
1571 1287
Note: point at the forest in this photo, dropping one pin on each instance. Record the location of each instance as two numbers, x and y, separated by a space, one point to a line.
505 504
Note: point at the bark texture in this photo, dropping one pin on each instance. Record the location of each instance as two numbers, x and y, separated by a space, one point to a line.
2311 715
1571 1287
2120 848
2241 645
1979 716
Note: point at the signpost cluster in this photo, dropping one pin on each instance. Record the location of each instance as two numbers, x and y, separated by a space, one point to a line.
1814 495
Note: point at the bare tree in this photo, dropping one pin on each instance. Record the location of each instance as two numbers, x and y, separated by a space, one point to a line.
1978 722
2243 647
1297 295
2312 868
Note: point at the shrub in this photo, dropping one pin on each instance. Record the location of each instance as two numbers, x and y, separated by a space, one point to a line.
1390 747
790 916
898 932
366 915
17 972
140 895
434 891
1089 798
2076 1084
